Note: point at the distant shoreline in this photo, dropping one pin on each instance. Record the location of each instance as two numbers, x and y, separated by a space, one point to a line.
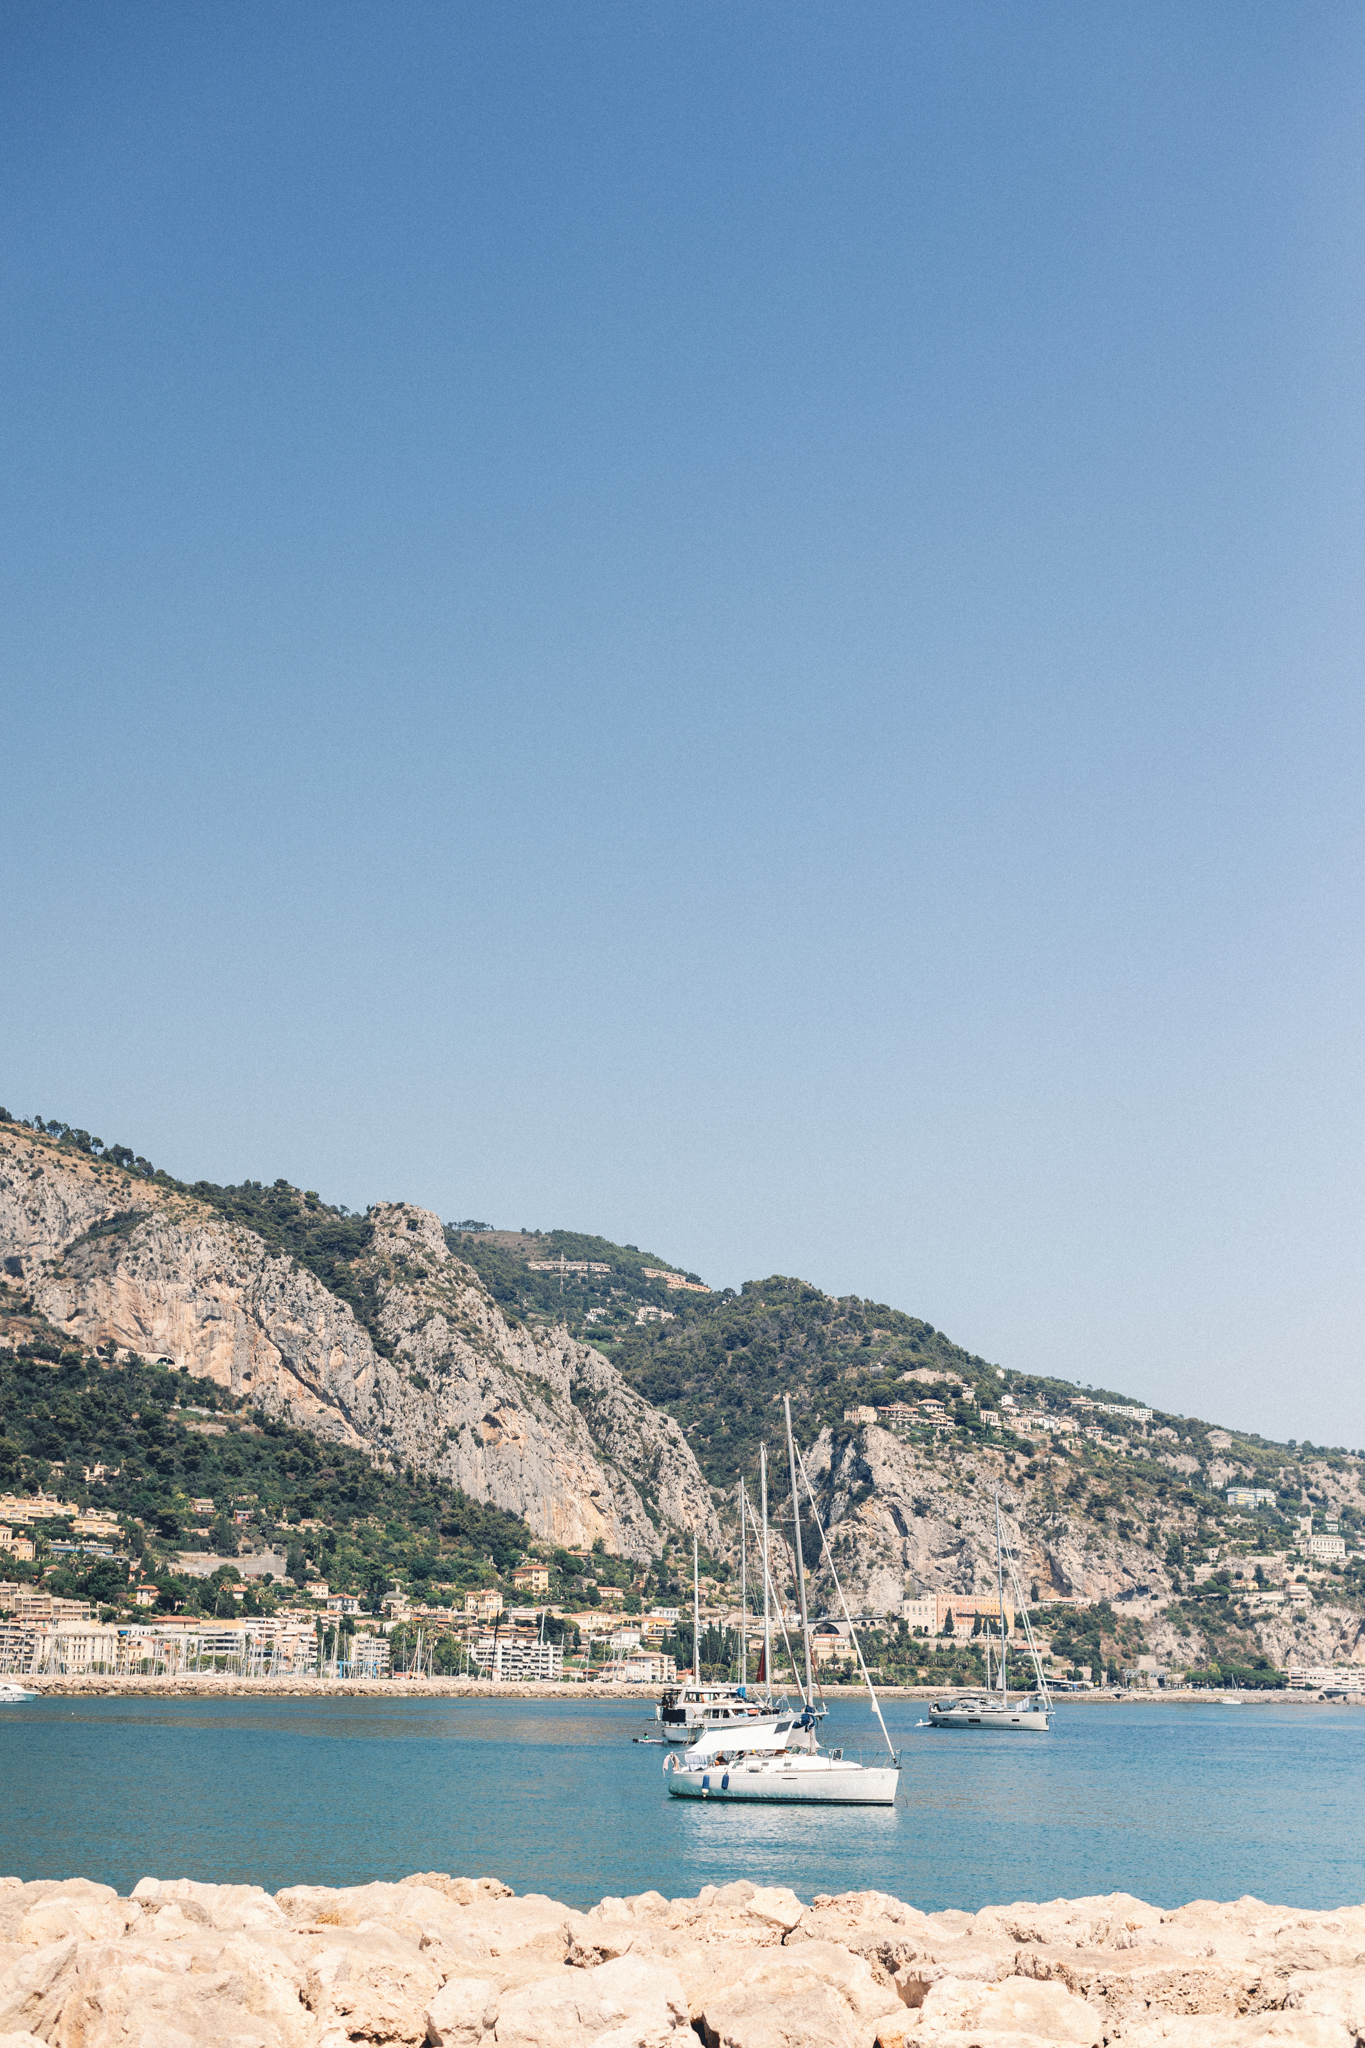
215 1685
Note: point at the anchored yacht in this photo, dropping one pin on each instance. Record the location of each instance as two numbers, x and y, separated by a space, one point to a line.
993 1708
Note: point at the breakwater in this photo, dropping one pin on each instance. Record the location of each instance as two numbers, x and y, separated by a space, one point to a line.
233 1685
450 1960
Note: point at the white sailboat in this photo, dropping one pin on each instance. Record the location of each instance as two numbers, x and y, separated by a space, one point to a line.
993 1708
780 1760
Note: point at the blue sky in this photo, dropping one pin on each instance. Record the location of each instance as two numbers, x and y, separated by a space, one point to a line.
735 626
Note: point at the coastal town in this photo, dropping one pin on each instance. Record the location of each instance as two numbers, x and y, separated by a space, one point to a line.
266 1625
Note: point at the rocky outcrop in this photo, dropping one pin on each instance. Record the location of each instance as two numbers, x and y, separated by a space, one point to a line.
898 1512
463 1963
526 1419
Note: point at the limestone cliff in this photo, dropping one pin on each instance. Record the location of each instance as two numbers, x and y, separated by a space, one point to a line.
529 1420
903 1516
900 1513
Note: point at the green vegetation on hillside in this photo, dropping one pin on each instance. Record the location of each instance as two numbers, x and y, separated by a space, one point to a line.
587 1303
722 1366
175 1438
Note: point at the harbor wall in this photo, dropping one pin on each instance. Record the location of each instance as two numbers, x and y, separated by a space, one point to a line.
198 1685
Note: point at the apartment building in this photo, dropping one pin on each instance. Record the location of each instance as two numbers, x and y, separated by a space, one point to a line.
510 1660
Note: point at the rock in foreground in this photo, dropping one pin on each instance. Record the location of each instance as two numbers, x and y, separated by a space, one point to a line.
463 1963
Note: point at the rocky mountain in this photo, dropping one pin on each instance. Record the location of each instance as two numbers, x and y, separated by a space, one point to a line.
601 1392
528 1419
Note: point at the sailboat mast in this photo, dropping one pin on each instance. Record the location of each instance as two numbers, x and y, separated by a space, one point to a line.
800 1561
1000 1594
696 1616
743 1594
767 1625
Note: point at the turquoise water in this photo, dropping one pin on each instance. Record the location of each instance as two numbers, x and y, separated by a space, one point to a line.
1171 1802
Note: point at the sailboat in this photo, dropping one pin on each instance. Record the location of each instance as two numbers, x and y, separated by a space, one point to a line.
779 1760
994 1708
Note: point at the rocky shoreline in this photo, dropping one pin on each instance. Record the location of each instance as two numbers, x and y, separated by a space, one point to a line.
445 1961
221 1685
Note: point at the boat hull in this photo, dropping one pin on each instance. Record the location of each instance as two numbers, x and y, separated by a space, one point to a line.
737 1783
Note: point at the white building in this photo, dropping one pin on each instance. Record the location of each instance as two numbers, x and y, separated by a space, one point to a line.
369 1657
921 1613
650 1668
1326 1678
518 1662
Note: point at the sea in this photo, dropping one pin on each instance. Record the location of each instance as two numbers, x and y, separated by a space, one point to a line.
1170 1802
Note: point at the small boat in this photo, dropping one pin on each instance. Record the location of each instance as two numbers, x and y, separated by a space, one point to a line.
12 1695
686 1711
993 1707
988 1710
777 1758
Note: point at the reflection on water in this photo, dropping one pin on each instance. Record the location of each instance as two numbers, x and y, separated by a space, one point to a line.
1168 1802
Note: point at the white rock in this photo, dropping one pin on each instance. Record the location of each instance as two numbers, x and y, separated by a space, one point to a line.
1019 2009
776 1905
1257 2030
462 2012
629 2003
373 1984
29 1987
216 1905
